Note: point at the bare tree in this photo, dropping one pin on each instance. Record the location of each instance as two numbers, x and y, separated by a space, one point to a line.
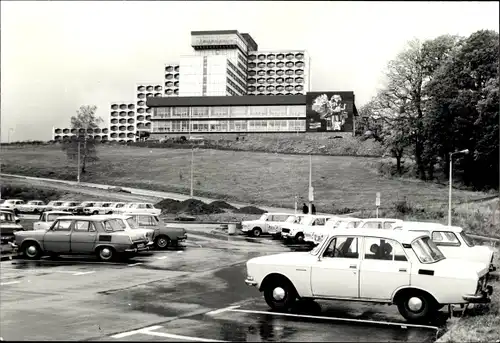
83 144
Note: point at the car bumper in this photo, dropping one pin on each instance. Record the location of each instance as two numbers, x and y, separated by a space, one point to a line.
137 248
182 238
482 298
250 282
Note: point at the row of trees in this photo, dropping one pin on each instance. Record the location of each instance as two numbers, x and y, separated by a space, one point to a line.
441 96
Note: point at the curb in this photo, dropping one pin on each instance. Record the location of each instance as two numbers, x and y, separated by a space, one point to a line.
7 257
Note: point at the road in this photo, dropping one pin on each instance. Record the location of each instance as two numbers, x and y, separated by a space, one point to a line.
195 293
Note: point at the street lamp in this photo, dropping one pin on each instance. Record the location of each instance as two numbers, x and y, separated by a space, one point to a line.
465 151
192 162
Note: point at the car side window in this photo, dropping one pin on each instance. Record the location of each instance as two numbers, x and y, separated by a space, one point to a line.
83 226
351 225
343 247
383 249
445 238
372 225
269 219
389 225
62 225
140 206
319 221
144 220
149 206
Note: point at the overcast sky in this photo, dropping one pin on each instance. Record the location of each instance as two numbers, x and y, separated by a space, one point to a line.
56 56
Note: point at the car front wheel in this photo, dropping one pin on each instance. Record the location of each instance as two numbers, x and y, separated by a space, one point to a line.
32 251
105 254
162 242
256 232
280 295
417 307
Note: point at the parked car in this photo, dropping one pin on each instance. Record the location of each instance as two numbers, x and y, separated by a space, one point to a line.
78 210
13 204
165 234
275 228
80 235
68 206
11 211
381 266
53 205
93 208
8 226
32 206
116 208
379 223
47 218
142 207
129 224
263 224
453 242
296 232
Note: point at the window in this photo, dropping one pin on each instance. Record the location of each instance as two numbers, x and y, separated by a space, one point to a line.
426 250
141 206
112 225
319 222
83 226
238 111
469 241
131 222
342 247
6 217
389 225
62 225
372 225
383 249
149 206
445 238
145 221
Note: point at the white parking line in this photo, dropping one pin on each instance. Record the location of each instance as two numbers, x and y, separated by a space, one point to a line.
9 283
402 325
84 273
221 310
162 257
149 331
135 264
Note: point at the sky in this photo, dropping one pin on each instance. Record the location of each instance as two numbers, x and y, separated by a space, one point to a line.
59 55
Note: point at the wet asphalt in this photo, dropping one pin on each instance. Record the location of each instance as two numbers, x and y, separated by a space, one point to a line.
194 293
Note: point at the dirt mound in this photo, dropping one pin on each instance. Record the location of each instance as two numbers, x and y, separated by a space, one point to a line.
251 210
223 205
189 206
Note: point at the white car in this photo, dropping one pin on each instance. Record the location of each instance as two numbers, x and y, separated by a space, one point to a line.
297 232
141 207
97 208
32 206
130 226
264 225
379 223
53 205
116 208
69 206
47 218
13 204
275 229
381 266
453 242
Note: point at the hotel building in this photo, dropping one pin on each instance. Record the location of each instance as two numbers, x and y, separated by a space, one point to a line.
225 86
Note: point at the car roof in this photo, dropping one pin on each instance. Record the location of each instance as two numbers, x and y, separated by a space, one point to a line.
421 225
111 216
380 219
58 212
279 214
14 200
91 218
401 236
141 214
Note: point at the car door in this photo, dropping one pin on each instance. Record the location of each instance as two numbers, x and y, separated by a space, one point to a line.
336 272
83 237
57 238
39 224
384 268
268 223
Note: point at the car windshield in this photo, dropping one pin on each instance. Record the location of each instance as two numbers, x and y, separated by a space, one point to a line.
32 202
426 250
119 205
106 205
263 217
290 219
58 203
468 240
306 220
52 217
317 248
131 222
112 225
7 217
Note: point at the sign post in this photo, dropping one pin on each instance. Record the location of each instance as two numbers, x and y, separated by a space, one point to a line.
296 198
377 202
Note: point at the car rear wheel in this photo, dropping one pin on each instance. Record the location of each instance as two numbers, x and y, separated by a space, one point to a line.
162 242
280 295
299 237
256 231
32 251
417 307
95 212
105 254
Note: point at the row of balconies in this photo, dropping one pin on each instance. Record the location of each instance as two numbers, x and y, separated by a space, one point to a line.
122 114
172 91
261 65
271 94
172 76
271 88
130 127
142 88
148 95
272 72
75 131
272 56
68 137
122 121
171 68
171 84
277 80
122 106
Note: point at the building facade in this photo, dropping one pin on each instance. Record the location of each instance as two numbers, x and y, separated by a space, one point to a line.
223 63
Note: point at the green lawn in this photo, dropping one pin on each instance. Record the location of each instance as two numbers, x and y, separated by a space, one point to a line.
261 178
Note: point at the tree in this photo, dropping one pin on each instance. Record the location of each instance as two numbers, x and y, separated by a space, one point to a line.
84 122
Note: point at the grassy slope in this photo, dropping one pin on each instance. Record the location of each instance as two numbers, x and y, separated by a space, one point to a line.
246 176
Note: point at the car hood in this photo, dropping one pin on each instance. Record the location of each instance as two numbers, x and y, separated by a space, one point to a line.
288 258
450 266
32 233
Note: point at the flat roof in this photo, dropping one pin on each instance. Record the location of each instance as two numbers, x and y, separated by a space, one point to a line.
241 100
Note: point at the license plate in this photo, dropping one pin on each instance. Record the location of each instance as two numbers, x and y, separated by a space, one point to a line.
141 245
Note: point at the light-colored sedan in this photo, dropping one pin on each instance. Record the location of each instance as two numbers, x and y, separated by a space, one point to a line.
264 225
142 207
116 208
406 269
128 223
380 223
32 206
47 219
79 235
165 234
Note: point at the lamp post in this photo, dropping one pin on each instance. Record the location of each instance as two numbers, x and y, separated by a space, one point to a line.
465 151
311 190
192 162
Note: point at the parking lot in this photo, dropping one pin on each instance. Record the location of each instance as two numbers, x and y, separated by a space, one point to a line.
194 293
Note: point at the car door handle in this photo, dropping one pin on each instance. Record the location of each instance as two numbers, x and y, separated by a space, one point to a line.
353 266
402 269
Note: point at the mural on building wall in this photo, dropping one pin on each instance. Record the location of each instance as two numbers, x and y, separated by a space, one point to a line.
329 111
